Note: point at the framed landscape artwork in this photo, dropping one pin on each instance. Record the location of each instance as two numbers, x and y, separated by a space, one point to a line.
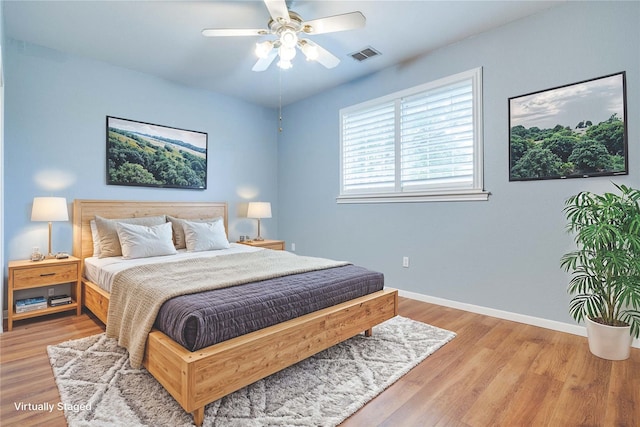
573 131
144 154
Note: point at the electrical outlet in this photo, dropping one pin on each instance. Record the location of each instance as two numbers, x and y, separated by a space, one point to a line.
405 262
51 291
293 247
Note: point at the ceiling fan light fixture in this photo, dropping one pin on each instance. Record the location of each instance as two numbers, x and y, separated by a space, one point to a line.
263 49
286 53
285 25
310 50
289 38
285 64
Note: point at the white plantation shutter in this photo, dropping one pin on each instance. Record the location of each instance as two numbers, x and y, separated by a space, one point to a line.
436 137
368 149
418 143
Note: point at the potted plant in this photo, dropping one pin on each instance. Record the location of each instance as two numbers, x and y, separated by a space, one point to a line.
605 268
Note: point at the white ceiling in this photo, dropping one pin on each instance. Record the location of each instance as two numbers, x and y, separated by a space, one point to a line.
163 38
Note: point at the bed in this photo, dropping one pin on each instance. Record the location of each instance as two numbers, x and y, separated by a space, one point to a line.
196 378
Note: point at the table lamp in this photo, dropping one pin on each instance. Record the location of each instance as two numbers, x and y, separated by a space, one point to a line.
259 210
49 209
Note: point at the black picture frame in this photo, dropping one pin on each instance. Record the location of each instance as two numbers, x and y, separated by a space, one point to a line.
577 130
150 155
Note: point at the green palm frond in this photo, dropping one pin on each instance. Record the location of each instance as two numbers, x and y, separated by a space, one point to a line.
632 317
585 305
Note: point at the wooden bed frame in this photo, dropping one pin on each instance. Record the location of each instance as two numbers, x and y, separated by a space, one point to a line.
197 378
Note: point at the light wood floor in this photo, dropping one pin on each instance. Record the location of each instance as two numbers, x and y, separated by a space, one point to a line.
494 373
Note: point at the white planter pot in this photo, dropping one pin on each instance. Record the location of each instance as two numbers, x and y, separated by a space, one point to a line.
609 342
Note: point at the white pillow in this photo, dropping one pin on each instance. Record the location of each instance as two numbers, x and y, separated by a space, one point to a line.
205 236
142 241
178 229
109 241
95 236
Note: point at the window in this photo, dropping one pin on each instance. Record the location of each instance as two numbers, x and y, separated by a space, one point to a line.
421 144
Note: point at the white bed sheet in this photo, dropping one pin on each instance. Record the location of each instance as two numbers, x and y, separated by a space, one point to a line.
102 271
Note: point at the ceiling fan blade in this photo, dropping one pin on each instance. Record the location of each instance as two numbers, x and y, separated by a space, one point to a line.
332 24
326 58
263 63
320 54
278 10
232 32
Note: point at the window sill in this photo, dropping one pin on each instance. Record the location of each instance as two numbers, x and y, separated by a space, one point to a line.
442 196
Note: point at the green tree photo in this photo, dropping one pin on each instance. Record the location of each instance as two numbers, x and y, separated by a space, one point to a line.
574 130
136 159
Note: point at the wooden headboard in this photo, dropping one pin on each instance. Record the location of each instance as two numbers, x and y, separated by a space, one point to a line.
86 210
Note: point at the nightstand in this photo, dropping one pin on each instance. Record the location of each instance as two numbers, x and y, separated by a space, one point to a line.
40 274
277 245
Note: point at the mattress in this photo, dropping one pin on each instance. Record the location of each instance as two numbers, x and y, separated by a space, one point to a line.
101 271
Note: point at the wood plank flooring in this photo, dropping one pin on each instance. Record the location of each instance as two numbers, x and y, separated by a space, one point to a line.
494 373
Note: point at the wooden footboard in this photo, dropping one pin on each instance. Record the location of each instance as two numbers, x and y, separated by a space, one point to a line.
197 378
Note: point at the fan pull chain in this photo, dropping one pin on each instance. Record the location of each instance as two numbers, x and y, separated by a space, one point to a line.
279 100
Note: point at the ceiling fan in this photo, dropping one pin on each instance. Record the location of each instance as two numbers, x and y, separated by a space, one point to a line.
288 27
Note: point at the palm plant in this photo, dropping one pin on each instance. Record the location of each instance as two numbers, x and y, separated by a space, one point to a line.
606 265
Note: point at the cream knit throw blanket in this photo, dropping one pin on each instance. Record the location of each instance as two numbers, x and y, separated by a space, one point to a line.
138 292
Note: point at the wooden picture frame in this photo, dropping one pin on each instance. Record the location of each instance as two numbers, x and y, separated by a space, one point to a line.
577 130
150 155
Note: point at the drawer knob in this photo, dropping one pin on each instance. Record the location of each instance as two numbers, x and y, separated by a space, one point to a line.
47 274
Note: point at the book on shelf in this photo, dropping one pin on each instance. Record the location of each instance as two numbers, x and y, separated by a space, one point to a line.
55 304
30 304
59 300
30 301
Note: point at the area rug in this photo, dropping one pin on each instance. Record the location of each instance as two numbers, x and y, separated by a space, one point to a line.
98 387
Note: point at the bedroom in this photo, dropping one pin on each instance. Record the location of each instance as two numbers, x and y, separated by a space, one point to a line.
500 256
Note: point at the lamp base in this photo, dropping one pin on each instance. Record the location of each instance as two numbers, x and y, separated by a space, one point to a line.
259 238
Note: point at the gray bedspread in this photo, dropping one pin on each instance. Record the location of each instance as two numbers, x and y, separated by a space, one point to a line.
200 320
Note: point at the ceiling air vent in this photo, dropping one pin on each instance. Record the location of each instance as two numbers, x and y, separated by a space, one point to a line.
365 53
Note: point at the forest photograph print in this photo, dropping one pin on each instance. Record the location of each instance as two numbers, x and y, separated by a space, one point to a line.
144 154
573 131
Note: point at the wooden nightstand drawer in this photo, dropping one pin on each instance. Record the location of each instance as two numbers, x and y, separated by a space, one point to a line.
45 275
277 245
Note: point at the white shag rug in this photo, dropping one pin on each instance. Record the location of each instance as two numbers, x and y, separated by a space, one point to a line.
98 387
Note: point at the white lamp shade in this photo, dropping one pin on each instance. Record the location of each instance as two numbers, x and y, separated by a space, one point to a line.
259 210
49 209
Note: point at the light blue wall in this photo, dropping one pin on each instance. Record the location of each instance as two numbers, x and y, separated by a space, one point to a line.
504 253
56 106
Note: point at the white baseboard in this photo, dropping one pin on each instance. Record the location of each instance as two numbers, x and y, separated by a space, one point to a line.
506 315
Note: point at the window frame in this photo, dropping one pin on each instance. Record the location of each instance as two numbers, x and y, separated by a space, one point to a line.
431 192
